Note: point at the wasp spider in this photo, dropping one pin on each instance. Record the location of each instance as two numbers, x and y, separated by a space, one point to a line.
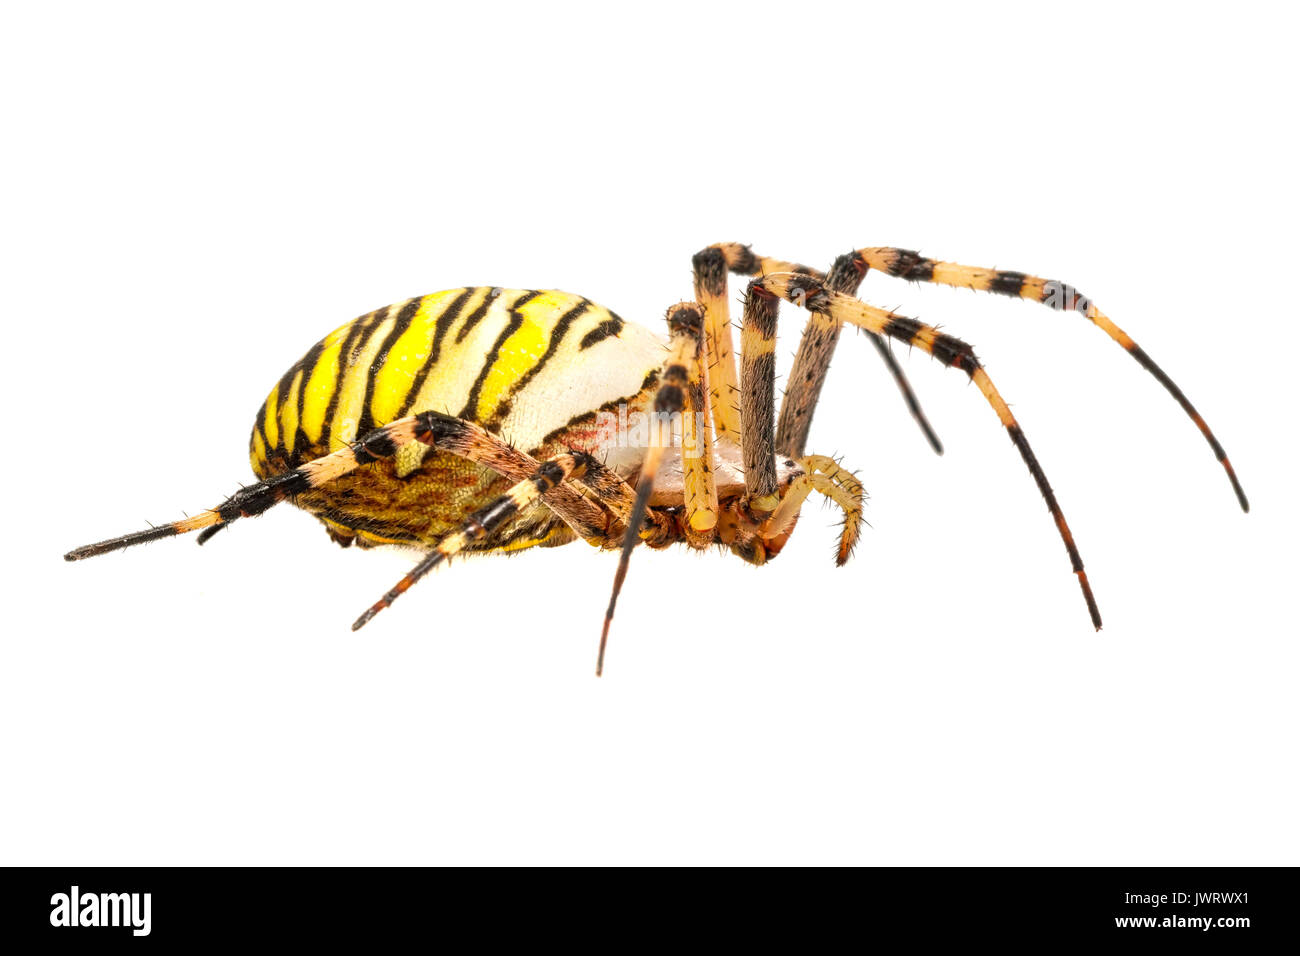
492 420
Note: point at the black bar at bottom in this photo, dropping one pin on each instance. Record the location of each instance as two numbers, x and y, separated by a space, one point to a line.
1233 907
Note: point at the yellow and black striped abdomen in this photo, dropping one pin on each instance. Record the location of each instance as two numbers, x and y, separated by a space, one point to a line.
524 364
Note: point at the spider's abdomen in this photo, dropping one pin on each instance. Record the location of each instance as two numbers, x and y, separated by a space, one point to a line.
526 365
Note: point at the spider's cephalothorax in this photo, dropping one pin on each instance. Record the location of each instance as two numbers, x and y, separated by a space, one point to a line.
487 419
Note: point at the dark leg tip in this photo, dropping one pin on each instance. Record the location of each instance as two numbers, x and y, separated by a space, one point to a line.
1093 611
1236 485
926 427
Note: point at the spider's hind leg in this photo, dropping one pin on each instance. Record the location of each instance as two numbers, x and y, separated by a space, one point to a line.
255 499
483 522
444 432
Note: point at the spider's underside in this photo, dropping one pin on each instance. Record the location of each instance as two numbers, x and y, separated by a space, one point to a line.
408 426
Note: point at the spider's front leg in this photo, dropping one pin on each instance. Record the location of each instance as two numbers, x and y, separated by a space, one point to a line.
833 307
811 361
906 264
768 511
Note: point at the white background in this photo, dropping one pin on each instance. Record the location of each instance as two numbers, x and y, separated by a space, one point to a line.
193 197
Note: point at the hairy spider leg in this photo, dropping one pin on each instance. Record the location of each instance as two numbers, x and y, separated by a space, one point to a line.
810 294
